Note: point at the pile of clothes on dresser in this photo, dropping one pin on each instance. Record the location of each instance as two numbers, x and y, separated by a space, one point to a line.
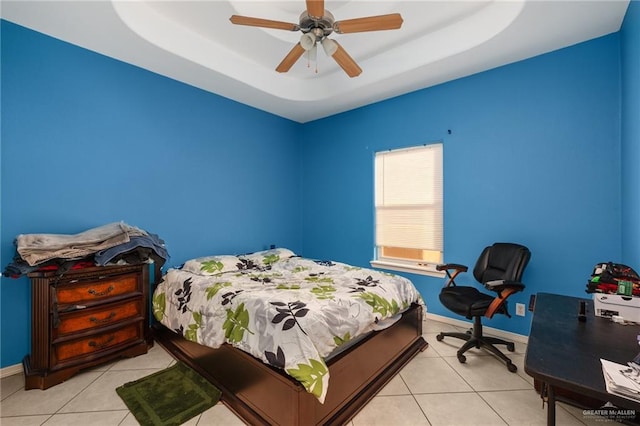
112 244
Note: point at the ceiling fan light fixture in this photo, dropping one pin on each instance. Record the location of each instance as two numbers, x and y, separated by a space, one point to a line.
316 24
329 46
307 41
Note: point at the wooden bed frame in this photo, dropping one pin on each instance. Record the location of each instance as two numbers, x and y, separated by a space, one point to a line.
263 395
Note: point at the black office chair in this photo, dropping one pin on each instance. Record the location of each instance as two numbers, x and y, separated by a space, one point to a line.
499 268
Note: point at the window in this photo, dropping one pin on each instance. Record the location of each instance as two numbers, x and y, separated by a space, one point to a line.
408 209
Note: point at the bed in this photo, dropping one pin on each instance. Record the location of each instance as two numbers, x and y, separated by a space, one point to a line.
289 340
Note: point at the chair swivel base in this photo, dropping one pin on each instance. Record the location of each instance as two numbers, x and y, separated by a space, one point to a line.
476 340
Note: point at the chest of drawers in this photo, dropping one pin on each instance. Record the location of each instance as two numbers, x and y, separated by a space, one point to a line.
84 318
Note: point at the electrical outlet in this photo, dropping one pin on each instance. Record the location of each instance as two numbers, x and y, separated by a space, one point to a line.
520 309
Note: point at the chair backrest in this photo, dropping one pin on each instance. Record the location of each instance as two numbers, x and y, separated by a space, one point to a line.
501 261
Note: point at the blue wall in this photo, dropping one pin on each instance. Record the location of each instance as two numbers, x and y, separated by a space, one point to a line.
630 137
87 140
533 157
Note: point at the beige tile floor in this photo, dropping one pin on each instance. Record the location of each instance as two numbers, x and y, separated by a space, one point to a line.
433 389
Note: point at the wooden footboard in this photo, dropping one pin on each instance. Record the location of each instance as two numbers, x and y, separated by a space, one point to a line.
261 394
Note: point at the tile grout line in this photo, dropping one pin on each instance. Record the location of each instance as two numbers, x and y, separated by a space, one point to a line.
80 392
493 409
414 398
478 392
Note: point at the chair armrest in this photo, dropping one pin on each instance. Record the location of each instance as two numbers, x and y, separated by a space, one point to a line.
449 266
499 285
504 288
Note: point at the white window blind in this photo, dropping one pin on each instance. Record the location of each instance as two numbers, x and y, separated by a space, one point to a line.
408 204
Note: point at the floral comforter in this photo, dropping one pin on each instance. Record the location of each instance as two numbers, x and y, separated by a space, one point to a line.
288 311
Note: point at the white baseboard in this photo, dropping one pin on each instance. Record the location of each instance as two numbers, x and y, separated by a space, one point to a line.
10 370
489 330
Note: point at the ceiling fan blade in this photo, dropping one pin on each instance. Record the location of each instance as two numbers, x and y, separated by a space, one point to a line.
263 23
392 21
291 58
346 62
315 8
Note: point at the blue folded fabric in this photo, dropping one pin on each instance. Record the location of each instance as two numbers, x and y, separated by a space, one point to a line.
151 241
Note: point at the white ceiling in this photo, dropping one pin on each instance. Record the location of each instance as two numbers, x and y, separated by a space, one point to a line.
194 42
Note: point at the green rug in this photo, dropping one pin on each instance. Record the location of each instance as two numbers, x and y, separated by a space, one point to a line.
169 397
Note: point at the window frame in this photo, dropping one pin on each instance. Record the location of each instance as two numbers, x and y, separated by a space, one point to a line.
408 265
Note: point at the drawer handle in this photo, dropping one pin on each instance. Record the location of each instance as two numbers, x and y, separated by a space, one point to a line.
94 344
101 321
101 293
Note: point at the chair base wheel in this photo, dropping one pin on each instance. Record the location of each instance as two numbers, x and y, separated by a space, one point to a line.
477 340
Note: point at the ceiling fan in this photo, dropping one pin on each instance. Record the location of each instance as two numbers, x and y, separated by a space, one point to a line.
316 24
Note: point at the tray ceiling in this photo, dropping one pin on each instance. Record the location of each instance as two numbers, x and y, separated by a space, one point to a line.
194 42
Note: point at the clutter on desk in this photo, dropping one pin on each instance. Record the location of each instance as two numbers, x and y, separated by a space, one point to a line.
111 244
620 309
622 380
614 278
616 292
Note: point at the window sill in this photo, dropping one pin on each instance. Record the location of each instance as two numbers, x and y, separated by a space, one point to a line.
414 269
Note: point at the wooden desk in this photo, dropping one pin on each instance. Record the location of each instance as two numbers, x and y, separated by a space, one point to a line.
564 353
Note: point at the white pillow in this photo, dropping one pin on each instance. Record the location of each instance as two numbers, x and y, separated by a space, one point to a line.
212 265
268 257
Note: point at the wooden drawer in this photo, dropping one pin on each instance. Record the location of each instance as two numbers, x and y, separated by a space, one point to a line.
100 316
98 342
83 318
97 290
